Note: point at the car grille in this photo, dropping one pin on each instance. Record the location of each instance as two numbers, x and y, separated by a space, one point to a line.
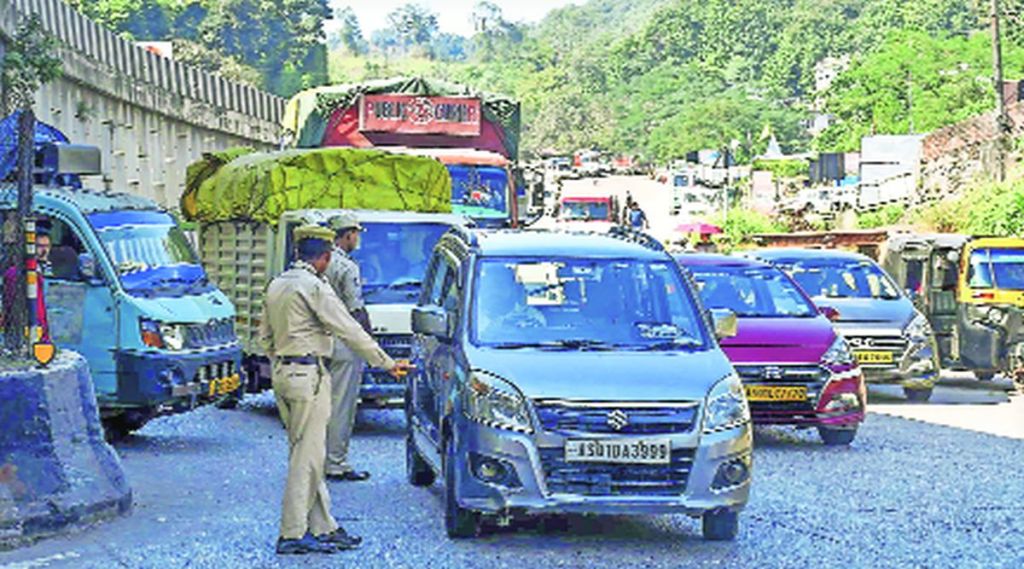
209 334
215 371
399 347
638 420
788 374
596 479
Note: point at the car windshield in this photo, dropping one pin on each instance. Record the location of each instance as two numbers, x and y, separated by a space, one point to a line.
681 180
997 268
148 249
576 210
396 254
584 302
841 278
753 292
479 190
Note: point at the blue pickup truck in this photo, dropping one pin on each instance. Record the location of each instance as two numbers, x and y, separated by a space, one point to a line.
124 287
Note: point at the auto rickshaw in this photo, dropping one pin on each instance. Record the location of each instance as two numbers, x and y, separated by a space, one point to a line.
971 289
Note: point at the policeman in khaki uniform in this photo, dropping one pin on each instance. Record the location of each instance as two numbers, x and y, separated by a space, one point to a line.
301 317
346 367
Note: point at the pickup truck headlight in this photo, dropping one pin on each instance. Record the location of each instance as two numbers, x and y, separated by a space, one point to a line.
726 405
161 335
919 330
838 354
496 403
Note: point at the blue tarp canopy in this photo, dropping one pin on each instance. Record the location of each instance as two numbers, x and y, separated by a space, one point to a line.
45 134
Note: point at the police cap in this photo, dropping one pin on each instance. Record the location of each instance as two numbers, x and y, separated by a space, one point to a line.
344 222
317 232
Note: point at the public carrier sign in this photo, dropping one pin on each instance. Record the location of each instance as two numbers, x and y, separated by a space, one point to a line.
410 114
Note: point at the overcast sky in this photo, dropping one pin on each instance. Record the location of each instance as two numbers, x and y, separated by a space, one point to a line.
453 15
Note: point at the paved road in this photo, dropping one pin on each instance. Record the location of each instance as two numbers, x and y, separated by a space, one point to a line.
907 493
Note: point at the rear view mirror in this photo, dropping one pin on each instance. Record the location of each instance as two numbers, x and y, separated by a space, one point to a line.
431 321
726 323
87 266
828 312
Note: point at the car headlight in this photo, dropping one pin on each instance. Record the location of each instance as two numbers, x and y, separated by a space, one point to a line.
726 405
496 403
173 335
161 335
919 330
996 315
838 354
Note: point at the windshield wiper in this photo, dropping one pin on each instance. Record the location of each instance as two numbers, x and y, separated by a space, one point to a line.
398 285
667 345
570 344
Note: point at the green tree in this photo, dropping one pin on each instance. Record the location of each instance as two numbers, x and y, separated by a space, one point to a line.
413 25
350 35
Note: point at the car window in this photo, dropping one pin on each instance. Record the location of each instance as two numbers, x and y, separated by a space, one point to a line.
752 291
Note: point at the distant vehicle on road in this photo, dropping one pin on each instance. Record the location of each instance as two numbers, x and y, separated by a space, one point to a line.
891 340
795 369
589 213
589 163
566 372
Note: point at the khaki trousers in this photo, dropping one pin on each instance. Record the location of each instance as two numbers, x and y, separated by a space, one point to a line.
305 405
346 369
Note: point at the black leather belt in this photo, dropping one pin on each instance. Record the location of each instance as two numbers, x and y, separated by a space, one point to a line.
299 360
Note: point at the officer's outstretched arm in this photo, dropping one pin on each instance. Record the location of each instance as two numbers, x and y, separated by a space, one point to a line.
332 312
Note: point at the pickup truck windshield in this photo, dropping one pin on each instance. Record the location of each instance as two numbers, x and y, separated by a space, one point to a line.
479 191
752 292
394 256
584 211
584 303
841 278
148 250
997 268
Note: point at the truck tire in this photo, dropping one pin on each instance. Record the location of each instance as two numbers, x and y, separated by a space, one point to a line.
984 375
836 437
119 427
720 525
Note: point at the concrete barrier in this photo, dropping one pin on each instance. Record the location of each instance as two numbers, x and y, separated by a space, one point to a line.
56 471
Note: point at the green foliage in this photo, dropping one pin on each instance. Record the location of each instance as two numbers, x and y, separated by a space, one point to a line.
914 82
884 217
30 62
740 224
783 168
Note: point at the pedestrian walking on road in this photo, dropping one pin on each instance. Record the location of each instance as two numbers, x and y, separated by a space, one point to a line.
637 218
346 367
301 317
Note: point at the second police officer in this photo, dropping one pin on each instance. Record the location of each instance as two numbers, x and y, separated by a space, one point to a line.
346 367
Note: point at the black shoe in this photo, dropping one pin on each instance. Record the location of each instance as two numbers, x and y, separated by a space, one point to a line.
350 476
308 544
340 539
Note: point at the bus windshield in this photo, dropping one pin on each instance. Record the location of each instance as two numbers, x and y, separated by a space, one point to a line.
479 191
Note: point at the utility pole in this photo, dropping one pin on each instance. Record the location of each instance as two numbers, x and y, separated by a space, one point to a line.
1002 122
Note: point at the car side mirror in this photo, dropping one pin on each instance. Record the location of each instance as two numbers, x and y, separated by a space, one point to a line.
431 321
87 267
726 323
828 312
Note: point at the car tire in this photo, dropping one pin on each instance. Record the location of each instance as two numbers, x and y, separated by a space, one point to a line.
720 525
836 437
417 469
984 375
459 523
917 394
230 401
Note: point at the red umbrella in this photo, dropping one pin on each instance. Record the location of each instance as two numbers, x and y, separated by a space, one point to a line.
701 228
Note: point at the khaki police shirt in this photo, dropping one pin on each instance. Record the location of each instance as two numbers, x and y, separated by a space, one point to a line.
300 313
343 274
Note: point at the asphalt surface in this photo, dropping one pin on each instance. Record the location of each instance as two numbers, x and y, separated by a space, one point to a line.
907 493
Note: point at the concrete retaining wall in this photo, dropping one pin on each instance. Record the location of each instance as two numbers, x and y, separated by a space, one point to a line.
56 470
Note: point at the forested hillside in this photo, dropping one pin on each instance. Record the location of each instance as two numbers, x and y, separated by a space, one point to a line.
650 77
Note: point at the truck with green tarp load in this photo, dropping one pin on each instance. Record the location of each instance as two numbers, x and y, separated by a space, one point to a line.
475 135
246 205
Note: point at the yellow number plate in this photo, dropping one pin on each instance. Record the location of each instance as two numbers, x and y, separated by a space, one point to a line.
867 357
775 393
224 386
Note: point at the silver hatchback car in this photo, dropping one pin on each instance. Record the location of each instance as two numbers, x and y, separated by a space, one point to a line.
564 372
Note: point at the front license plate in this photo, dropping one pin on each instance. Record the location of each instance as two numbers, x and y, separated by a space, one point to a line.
869 357
224 386
625 451
775 393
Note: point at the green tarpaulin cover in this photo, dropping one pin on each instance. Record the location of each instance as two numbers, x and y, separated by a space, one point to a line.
238 184
308 112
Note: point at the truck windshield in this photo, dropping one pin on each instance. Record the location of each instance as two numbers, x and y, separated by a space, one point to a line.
752 292
997 268
841 278
148 250
579 303
479 191
573 210
394 256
